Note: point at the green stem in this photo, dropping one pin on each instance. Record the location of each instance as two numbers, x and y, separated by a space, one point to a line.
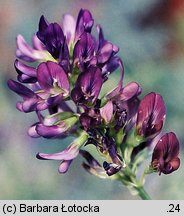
142 193
129 179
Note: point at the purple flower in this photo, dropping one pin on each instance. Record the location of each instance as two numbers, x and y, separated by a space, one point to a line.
71 67
109 146
50 86
105 54
150 116
66 156
90 118
165 154
26 74
125 103
69 25
88 52
53 81
87 87
29 54
31 101
51 35
84 51
84 23
57 125
106 112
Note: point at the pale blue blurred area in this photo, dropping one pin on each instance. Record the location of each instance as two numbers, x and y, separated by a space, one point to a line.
22 176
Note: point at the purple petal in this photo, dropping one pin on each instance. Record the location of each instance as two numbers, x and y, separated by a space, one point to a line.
37 44
69 25
32 131
84 22
105 53
77 95
23 78
20 89
41 105
167 147
64 57
55 100
54 34
111 65
49 72
90 83
26 74
102 42
24 69
84 48
111 168
165 154
30 104
24 51
19 106
64 166
100 36
85 121
87 20
151 115
43 23
129 91
50 131
69 153
106 112
54 39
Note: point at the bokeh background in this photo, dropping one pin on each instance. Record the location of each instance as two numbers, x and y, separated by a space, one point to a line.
150 35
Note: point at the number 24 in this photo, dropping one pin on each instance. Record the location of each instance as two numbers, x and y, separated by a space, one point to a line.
174 208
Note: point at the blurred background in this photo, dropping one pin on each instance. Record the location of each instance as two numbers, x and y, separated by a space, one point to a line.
150 35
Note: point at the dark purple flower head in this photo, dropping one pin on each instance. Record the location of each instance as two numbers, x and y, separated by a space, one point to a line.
165 154
150 115
87 87
70 67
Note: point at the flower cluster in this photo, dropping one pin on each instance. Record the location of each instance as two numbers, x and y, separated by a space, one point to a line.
72 66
